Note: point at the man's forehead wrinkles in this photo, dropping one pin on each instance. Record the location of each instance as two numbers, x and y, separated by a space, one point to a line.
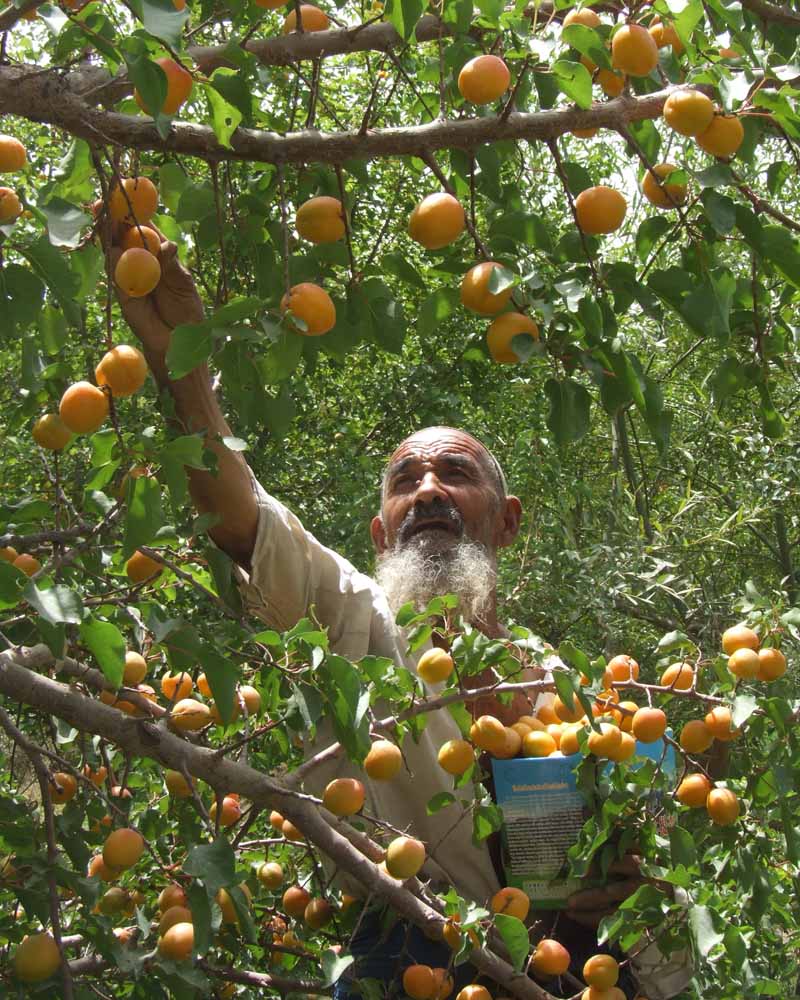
444 458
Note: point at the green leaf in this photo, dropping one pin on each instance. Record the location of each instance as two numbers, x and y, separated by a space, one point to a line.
524 228
404 15
225 117
743 707
704 934
21 295
144 516
438 306
781 248
222 677
486 820
438 802
64 222
568 418
58 605
720 209
682 847
515 937
148 78
574 80
163 21
649 233
201 917
214 863
399 265
107 645
11 585
53 267
190 346
588 42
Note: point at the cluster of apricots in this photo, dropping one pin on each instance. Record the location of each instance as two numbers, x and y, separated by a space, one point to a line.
13 157
23 561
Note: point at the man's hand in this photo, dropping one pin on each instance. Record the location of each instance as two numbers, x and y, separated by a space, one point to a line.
589 906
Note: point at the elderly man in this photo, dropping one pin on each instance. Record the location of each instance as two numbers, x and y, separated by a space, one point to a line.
445 513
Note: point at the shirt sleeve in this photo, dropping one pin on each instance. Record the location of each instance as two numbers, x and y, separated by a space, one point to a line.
292 573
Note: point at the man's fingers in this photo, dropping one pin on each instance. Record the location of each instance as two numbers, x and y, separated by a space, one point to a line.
621 890
588 899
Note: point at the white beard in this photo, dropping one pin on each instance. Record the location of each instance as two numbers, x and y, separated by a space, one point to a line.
422 569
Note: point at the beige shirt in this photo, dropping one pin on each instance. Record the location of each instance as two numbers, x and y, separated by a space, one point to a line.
291 573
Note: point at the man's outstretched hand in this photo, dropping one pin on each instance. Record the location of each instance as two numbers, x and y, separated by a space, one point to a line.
589 906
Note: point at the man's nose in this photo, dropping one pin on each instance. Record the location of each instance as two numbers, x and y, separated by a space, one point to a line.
429 489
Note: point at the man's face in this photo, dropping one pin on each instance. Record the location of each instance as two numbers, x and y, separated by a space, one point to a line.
439 490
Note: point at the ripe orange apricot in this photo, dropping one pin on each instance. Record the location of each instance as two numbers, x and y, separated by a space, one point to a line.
177 943
311 305
601 971
545 714
36 958
175 687
189 715
123 369
771 664
51 432
474 992
538 744
344 796
435 665
664 35
625 719
488 733
143 238
436 221
172 895
625 750
600 210
320 220
137 272
569 740
311 19
136 201
696 737
723 137
566 712
252 699
688 112
270 875
633 50
292 832
179 87
276 820
475 294
141 567
10 205
8 553
550 958
586 16
404 857
295 900
502 331
483 79
12 154
63 787
607 739
693 790
383 761
174 915
98 867
679 676
225 902
456 756
135 669
442 984
612 84
720 721
177 784
27 564
83 407
96 777
649 725
723 806
418 982
512 744
623 668
744 663
667 194
230 813
123 848
512 901
318 913
739 637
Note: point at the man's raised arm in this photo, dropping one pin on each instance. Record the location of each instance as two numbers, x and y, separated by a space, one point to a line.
229 492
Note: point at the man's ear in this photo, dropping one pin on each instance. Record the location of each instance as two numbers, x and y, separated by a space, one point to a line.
511 515
378 532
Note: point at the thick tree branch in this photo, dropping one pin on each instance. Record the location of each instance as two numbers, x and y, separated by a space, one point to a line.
778 13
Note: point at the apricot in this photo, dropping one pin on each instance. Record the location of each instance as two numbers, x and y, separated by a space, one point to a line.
442 984
612 84
113 901
174 915
295 900
141 567
321 220
667 194
550 958
83 408
12 154
311 305
311 19
404 857
276 820
475 294
649 725
607 739
600 210
96 777
344 796
720 721
569 742
625 718
251 698
10 205
62 788
435 666
474 992
545 714
27 564
665 35
98 867
175 687
502 331
141 238
625 749
270 875
744 663
123 369
171 895
418 982
178 942
36 958
771 664
437 221
8 553
225 902
318 913
291 832
568 712
538 744
383 761
483 79
723 806
51 432
135 201
179 87
688 112
604 702
203 686
601 971
456 756
585 16
623 668
511 901
177 785
137 272
696 737
633 50
230 813
723 137
693 790
189 715
678 676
